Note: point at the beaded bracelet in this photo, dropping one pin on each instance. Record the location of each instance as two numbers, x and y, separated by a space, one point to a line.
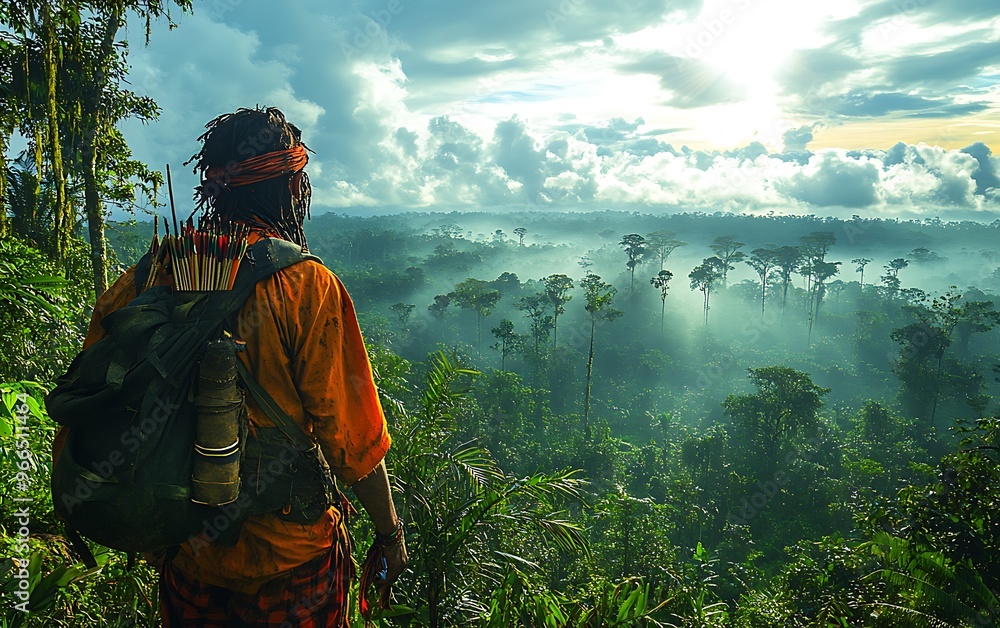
393 538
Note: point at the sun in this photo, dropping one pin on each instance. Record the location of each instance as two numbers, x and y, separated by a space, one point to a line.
743 44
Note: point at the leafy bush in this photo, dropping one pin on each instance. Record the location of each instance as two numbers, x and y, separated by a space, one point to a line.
40 327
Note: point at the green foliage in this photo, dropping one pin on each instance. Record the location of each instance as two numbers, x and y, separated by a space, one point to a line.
932 587
38 326
61 591
662 243
785 405
541 323
704 277
478 296
26 434
802 500
508 341
635 249
461 506
557 289
727 249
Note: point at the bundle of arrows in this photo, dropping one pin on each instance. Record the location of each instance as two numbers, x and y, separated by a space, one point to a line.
206 258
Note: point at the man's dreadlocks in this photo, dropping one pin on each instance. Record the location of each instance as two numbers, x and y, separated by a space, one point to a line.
236 137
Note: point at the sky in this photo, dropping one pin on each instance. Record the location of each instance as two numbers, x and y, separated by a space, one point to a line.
870 107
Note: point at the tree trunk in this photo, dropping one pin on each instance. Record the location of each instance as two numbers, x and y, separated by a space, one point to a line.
763 294
964 335
479 333
63 214
434 597
91 128
663 308
784 298
626 538
590 371
95 217
4 143
555 328
937 387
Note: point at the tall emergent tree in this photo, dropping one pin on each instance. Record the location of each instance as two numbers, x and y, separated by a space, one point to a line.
763 261
891 277
403 312
635 249
536 306
704 277
662 282
787 259
814 248
557 289
662 243
439 309
476 295
821 272
861 262
727 248
520 232
599 295
507 341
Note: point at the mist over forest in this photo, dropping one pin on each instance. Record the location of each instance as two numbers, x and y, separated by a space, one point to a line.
786 440
687 367
692 419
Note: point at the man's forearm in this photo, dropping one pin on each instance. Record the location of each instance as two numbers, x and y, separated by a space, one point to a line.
376 497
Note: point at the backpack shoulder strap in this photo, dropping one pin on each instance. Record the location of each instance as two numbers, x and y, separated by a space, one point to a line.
273 411
142 270
266 257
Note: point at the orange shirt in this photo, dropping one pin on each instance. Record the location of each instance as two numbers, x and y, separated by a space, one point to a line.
304 346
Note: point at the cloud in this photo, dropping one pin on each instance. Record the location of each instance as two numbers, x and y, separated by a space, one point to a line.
408 104
947 67
987 182
873 104
808 71
517 153
691 83
797 139
830 178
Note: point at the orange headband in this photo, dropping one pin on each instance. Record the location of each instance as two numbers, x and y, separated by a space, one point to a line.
260 168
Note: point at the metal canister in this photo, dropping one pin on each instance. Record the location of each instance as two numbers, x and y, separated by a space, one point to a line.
215 478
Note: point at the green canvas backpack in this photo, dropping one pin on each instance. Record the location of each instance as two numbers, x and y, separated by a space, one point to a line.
123 476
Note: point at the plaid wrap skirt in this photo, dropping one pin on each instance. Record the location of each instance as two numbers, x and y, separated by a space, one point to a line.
313 595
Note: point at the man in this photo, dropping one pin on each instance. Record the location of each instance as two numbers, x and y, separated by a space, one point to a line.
304 347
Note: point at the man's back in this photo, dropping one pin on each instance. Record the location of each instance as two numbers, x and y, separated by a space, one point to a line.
304 347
